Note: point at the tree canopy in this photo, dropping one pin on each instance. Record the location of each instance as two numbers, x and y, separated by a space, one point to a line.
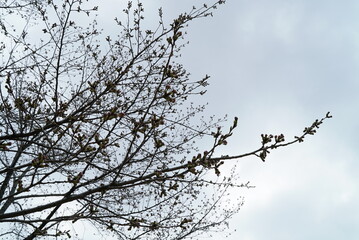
101 129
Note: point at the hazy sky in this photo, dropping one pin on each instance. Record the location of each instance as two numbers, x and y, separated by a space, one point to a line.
278 65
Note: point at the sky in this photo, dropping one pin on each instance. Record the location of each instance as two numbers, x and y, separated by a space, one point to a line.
278 65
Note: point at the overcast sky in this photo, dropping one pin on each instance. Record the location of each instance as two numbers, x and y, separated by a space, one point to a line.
278 65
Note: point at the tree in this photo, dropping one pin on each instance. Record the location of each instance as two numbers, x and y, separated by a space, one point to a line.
98 128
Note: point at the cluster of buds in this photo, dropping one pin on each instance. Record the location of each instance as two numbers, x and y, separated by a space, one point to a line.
40 161
268 138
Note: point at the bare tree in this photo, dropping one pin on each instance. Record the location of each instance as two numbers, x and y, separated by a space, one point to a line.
99 128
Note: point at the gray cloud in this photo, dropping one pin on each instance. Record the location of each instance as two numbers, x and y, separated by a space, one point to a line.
278 65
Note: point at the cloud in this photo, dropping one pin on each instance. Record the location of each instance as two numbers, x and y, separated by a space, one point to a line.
278 65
